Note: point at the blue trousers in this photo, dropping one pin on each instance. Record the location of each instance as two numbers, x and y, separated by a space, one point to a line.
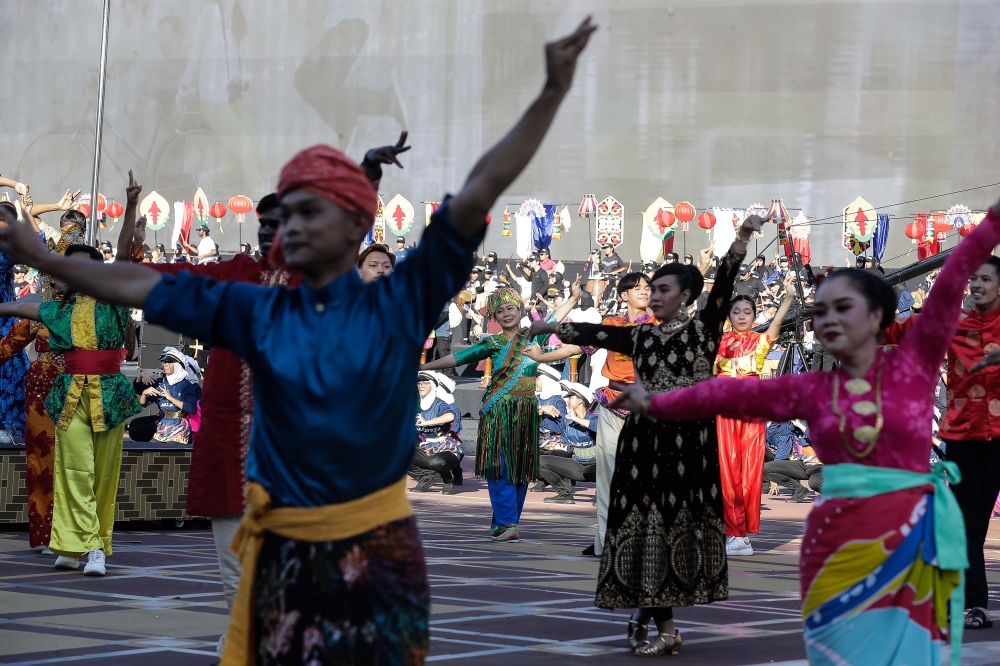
507 498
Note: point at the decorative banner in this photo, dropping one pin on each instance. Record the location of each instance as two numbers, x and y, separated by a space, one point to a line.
659 219
724 234
564 222
779 215
799 231
859 220
610 222
156 209
429 208
756 209
541 227
522 242
881 238
960 217
588 207
650 242
183 217
398 215
201 207
975 219
506 222
378 229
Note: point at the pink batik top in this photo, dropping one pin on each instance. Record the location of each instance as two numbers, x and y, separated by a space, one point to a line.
909 377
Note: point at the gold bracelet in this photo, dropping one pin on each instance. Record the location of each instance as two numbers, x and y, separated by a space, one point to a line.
644 405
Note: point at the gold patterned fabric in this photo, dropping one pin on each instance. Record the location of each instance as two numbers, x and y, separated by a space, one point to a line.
666 539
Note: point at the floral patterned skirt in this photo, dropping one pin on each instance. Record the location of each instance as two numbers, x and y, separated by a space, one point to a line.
363 600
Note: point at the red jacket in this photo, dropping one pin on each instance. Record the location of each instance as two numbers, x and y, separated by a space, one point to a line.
218 474
973 400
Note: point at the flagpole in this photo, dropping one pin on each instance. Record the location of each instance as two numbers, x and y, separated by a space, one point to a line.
98 133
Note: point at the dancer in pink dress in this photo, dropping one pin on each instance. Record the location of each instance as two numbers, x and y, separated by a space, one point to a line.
884 549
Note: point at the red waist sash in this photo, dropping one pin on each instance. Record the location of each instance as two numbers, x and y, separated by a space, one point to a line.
94 361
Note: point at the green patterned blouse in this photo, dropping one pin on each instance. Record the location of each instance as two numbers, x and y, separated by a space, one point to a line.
85 323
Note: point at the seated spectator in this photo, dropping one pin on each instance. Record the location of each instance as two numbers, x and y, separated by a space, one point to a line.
671 258
176 394
180 254
580 432
804 466
688 260
782 438
551 409
439 453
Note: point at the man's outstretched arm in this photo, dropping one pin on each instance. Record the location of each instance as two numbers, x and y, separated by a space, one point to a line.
505 161
120 283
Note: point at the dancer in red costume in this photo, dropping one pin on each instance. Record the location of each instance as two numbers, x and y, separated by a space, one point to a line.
742 352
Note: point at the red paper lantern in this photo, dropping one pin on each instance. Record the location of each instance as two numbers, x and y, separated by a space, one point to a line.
684 211
915 230
240 205
218 211
115 210
102 203
706 221
85 209
941 226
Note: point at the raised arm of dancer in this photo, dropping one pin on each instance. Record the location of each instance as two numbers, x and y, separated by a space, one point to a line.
20 308
715 312
774 330
125 234
20 188
65 203
706 260
536 354
928 340
574 297
504 162
120 283
612 338
18 337
780 399
376 157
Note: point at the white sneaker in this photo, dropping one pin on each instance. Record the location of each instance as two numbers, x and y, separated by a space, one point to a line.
6 437
67 563
46 551
95 563
221 646
736 546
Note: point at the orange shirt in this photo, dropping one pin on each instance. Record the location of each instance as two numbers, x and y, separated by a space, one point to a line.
618 367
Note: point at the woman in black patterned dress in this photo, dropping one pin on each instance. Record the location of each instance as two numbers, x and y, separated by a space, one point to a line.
666 539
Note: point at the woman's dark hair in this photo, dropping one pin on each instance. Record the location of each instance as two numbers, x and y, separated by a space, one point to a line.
74 217
631 281
160 248
93 252
688 277
586 300
740 299
876 291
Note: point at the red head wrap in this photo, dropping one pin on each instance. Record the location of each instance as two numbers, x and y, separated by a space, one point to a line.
331 174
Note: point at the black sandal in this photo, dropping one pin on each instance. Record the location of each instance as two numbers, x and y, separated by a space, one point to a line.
659 646
638 634
978 618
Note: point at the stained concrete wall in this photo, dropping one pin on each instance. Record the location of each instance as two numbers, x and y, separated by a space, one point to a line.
720 103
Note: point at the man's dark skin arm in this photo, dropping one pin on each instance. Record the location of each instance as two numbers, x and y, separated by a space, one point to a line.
132 193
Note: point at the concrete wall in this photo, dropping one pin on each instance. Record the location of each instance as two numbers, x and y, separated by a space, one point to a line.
720 103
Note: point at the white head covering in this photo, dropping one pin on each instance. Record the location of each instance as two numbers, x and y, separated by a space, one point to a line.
172 355
443 388
548 381
580 391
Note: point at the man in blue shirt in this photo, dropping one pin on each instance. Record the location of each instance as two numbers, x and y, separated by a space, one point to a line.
343 515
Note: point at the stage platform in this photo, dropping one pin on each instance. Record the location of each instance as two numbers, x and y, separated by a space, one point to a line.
152 486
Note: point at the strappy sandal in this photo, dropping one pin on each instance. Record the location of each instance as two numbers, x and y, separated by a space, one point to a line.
659 646
978 618
638 634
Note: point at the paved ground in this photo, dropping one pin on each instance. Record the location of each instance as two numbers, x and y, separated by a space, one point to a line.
161 602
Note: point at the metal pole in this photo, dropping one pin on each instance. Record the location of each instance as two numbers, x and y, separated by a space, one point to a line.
92 227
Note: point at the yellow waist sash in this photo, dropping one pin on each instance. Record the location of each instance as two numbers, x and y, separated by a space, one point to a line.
333 522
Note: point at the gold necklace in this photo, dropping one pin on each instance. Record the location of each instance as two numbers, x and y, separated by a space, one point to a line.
866 433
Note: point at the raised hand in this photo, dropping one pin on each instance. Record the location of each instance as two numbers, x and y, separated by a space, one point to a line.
752 224
561 56
19 239
21 189
991 359
789 284
133 190
68 200
534 352
575 290
139 234
376 157
632 397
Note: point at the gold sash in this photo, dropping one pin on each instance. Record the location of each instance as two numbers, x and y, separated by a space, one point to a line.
333 522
